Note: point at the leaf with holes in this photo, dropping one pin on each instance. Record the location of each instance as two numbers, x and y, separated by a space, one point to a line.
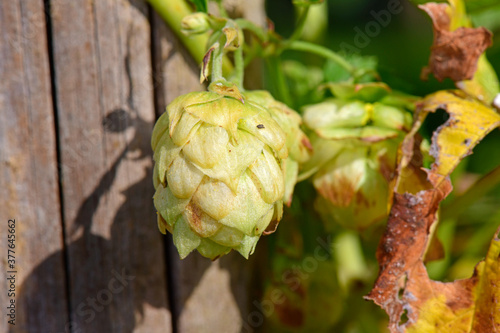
403 288
469 122
418 304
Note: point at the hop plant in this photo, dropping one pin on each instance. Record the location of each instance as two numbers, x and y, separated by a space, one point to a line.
218 172
297 143
355 139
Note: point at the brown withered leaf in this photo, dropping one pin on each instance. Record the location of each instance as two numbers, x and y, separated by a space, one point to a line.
207 59
403 288
468 305
435 249
401 251
454 54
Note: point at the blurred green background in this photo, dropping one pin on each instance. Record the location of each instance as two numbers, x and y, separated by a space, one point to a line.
402 47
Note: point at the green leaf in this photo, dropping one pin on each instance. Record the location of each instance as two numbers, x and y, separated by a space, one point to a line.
307 2
419 2
366 66
201 5
474 5
487 17
367 92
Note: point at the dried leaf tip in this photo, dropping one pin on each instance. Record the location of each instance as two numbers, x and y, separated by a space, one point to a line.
454 54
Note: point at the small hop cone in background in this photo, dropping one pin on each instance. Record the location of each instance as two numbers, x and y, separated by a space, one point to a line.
297 143
218 172
355 139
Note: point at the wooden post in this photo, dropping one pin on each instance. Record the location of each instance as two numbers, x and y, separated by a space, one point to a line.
104 91
29 191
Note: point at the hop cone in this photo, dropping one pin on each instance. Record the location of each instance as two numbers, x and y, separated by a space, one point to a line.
355 140
218 172
297 143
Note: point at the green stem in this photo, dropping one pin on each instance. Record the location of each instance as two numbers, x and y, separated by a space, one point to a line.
172 12
252 27
222 10
217 56
475 192
275 68
300 25
321 51
250 54
350 259
239 66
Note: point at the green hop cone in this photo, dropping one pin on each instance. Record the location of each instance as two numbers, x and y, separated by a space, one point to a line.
355 140
297 143
218 172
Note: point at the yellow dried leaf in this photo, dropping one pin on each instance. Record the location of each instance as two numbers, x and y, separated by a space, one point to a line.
470 305
487 293
469 122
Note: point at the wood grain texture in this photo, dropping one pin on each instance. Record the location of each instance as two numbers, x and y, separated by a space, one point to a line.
208 296
104 89
28 172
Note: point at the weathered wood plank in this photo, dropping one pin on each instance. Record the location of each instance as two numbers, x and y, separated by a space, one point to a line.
208 296
105 108
29 191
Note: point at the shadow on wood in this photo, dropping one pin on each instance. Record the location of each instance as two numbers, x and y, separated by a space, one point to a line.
117 302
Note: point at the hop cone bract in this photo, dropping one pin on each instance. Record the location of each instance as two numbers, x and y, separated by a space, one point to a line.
297 143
